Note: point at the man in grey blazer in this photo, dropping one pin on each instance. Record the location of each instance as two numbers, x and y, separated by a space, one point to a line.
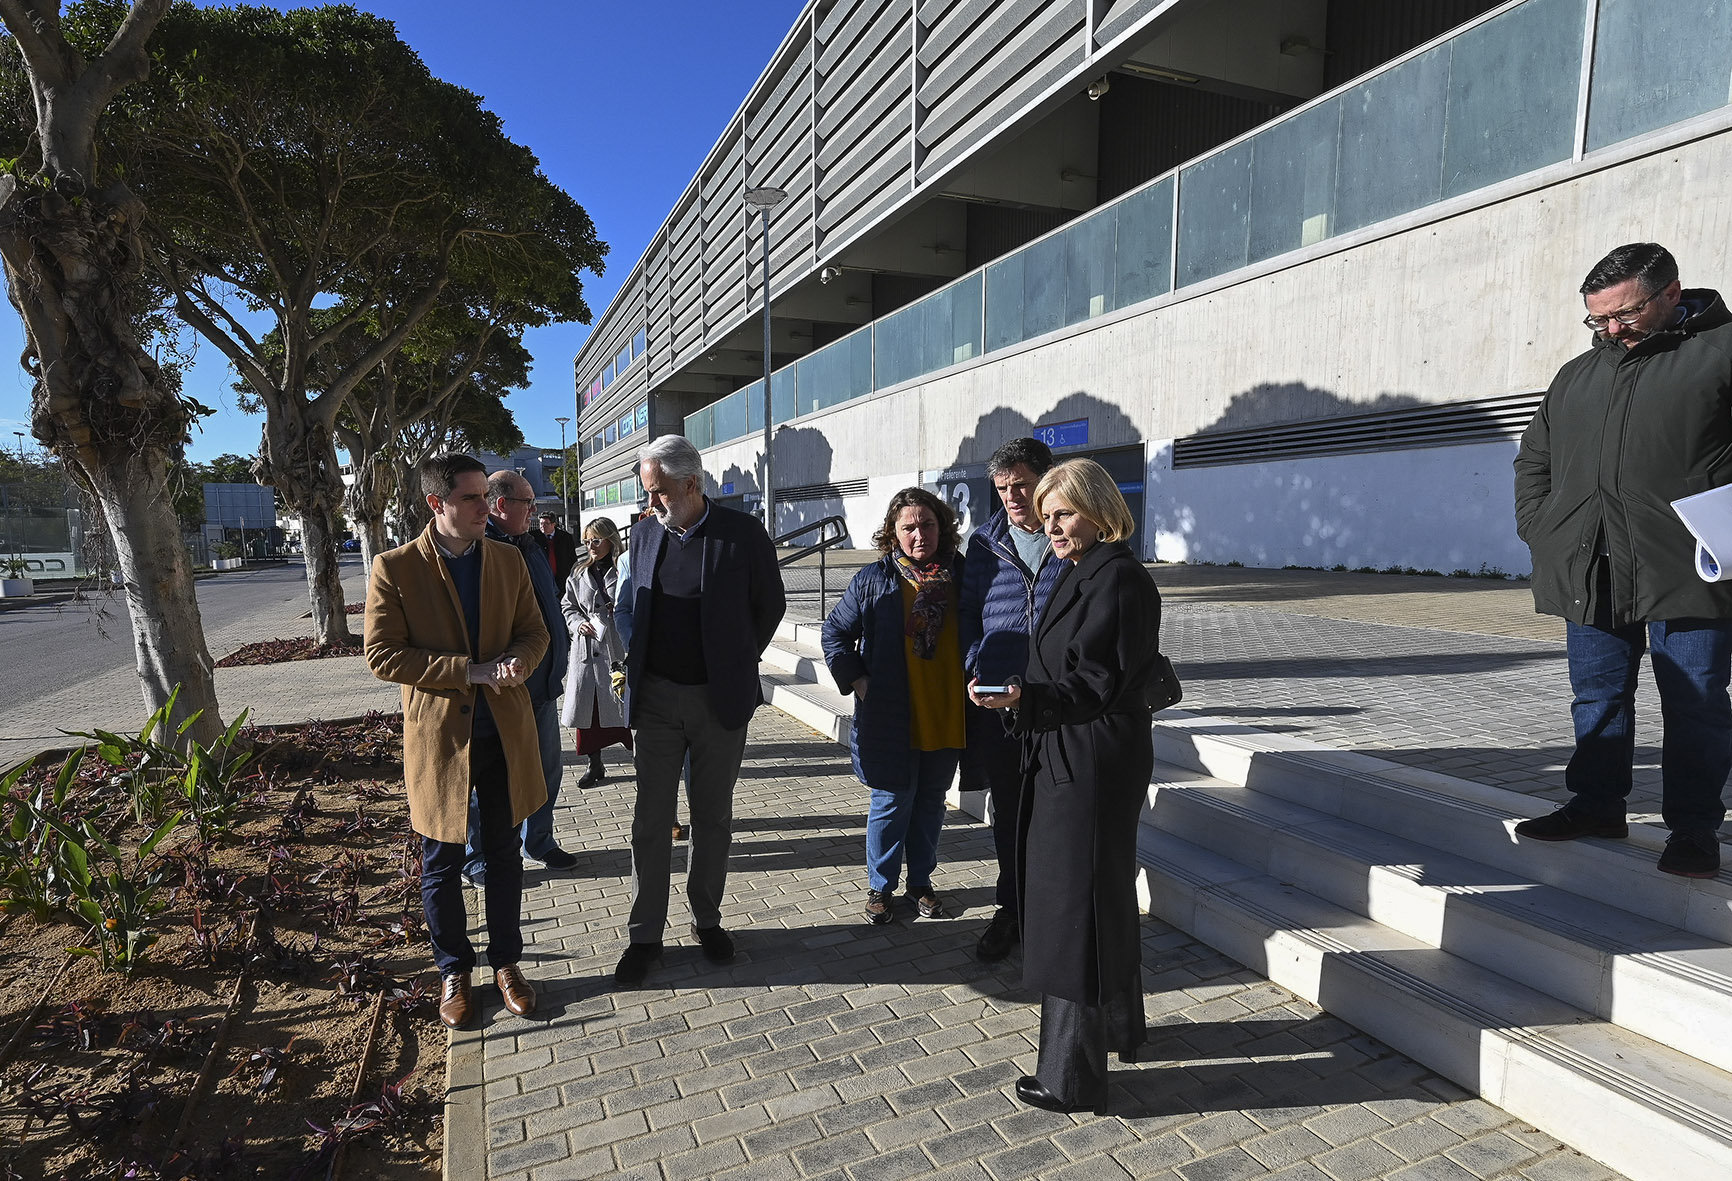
702 604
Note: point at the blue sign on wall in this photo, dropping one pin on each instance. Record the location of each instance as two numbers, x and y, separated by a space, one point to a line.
728 488
1074 433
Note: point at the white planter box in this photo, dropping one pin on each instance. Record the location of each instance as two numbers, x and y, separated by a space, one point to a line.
16 588
225 563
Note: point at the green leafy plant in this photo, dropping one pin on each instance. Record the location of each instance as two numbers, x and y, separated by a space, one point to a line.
34 870
150 762
227 549
14 567
119 904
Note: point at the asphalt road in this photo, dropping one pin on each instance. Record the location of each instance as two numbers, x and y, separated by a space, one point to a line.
54 646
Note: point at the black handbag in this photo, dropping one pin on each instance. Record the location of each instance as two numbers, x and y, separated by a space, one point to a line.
1164 688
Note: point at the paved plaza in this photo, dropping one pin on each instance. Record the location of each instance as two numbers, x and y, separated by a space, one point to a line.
830 1048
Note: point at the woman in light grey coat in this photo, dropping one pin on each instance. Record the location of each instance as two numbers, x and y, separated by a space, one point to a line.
592 707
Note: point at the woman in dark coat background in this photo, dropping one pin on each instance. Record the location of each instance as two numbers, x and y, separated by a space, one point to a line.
1088 756
893 642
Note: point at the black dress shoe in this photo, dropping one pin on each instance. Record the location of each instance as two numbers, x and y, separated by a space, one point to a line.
717 944
635 964
1034 1093
1000 936
1567 825
596 773
1691 855
557 858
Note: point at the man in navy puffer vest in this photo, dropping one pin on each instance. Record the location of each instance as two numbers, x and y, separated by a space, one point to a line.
1007 577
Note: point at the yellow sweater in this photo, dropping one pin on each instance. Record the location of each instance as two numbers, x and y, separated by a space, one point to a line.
936 687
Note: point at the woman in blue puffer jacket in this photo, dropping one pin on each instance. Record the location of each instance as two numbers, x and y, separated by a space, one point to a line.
892 641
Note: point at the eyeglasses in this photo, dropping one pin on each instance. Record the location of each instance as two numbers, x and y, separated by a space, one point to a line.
518 499
1627 317
595 541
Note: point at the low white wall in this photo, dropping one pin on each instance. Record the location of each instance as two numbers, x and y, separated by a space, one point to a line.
1436 508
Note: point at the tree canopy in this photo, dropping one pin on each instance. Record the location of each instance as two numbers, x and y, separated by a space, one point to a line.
295 162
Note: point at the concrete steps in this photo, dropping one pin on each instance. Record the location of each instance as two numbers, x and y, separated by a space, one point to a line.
1399 900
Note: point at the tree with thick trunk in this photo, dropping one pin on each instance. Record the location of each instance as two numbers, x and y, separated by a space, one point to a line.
70 241
304 160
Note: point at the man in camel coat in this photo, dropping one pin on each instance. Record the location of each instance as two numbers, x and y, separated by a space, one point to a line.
452 618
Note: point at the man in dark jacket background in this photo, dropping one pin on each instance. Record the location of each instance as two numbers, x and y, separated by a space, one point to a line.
1641 419
559 546
510 503
1007 576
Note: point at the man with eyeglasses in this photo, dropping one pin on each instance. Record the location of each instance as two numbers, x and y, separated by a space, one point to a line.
1641 419
510 508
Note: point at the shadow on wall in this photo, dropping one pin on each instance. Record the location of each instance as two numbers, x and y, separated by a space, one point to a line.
804 457
1274 403
1445 508
968 489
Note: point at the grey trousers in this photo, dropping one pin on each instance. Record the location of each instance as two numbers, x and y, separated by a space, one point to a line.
671 722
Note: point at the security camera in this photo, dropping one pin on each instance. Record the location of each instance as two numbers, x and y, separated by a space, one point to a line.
829 273
1098 87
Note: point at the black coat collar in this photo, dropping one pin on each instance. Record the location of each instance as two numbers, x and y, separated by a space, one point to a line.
1069 587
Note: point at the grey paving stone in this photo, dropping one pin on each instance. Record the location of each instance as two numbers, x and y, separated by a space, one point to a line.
834 1152
869 1053
518 1158
1356 1162
782 1137
1231 1165
1218 1130
970 1143
1418 1138
899 1165
1025 1160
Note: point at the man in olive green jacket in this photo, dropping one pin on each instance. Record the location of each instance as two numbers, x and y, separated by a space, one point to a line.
1641 419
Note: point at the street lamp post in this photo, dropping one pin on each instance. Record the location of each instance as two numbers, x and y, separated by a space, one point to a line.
763 200
564 472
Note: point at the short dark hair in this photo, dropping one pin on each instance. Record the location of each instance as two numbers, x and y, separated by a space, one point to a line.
949 540
550 515
1032 452
439 473
1650 262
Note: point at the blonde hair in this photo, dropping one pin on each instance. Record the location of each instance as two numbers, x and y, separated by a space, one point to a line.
604 527
1086 487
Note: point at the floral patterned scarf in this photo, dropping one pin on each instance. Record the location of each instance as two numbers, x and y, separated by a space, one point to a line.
931 599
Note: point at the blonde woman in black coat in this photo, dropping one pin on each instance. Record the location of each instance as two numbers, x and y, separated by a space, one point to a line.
1083 713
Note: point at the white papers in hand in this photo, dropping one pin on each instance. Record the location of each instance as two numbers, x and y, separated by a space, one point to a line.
1709 516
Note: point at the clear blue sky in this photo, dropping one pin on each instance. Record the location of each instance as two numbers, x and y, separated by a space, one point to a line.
619 99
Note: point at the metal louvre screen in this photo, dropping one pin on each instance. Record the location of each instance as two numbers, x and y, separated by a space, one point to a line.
1449 425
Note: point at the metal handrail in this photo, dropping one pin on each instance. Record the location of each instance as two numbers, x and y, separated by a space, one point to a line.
820 547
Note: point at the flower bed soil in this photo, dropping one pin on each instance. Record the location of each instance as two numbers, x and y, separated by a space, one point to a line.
313 902
278 651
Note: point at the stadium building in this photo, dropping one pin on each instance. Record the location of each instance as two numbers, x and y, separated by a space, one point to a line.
1295 271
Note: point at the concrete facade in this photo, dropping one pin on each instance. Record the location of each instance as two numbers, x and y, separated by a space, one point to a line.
1460 305
1325 327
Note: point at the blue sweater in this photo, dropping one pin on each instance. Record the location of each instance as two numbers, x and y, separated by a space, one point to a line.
1001 602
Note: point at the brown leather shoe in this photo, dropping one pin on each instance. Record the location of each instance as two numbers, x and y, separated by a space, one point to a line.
457 1001
514 990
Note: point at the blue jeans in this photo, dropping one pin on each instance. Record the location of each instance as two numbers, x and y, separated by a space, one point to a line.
538 839
538 829
908 821
1692 661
